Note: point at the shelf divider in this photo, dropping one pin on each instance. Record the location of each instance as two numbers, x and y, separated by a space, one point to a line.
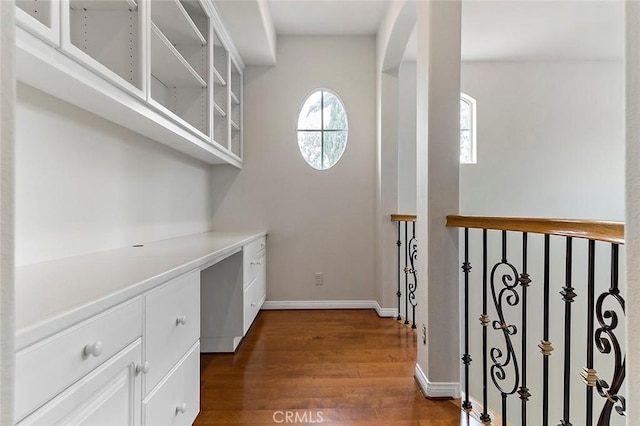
103 4
219 110
175 23
169 66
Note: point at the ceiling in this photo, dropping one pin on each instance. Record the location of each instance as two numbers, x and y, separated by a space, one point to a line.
321 17
491 30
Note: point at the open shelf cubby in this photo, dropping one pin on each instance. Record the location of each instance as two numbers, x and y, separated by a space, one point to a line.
186 28
109 32
176 85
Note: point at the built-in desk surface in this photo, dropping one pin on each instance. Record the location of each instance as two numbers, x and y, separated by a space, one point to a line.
51 296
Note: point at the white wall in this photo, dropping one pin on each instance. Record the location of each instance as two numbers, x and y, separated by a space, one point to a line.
437 161
318 221
84 184
632 228
7 128
407 138
550 140
388 190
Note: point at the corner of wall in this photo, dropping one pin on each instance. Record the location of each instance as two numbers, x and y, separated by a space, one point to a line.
436 389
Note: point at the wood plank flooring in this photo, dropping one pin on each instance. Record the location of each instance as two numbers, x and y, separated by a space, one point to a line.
341 367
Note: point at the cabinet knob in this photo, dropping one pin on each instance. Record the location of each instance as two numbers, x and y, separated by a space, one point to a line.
143 368
253 262
182 319
181 408
261 245
253 305
259 263
94 349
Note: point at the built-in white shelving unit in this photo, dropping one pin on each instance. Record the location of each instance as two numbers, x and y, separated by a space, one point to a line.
41 17
106 35
220 92
235 107
180 62
165 69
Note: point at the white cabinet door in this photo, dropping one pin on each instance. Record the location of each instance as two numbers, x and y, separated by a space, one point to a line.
172 324
176 401
108 396
107 37
41 18
251 254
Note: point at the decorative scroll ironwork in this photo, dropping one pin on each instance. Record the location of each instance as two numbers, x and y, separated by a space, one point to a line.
508 367
407 269
606 342
507 295
412 248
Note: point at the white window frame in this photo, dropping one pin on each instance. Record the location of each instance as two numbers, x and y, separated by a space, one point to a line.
474 149
322 130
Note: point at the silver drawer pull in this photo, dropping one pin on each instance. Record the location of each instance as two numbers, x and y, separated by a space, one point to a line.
143 368
253 262
94 349
181 320
181 408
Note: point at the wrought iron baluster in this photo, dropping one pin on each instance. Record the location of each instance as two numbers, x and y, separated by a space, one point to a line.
524 282
545 345
406 273
568 294
607 341
399 293
466 358
589 374
413 286
484 320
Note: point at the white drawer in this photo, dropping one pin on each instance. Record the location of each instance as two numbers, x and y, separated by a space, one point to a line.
48 367
177 400
252 300
252 253
109 395
172 325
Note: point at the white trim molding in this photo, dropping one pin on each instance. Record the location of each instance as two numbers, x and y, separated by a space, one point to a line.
330 304
436 390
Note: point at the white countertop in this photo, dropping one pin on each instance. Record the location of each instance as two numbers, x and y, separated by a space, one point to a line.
51 296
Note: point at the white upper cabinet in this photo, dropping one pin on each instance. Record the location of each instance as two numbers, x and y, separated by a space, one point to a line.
41 18
235 120
220 92
179 57
162 68
107 37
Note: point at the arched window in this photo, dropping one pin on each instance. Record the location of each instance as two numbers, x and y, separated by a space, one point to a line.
467 129
322 129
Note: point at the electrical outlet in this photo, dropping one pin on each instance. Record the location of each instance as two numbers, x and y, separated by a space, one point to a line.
424 334
319 278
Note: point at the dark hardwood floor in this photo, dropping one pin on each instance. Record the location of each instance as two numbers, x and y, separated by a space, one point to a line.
340 367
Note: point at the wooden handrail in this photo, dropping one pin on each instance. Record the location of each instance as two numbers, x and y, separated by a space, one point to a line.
403 218
612 232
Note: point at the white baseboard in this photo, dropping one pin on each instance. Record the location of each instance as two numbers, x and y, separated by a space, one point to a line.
330 304
385 312
436 390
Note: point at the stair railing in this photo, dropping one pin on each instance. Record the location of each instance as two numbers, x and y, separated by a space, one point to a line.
515 306
407 272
